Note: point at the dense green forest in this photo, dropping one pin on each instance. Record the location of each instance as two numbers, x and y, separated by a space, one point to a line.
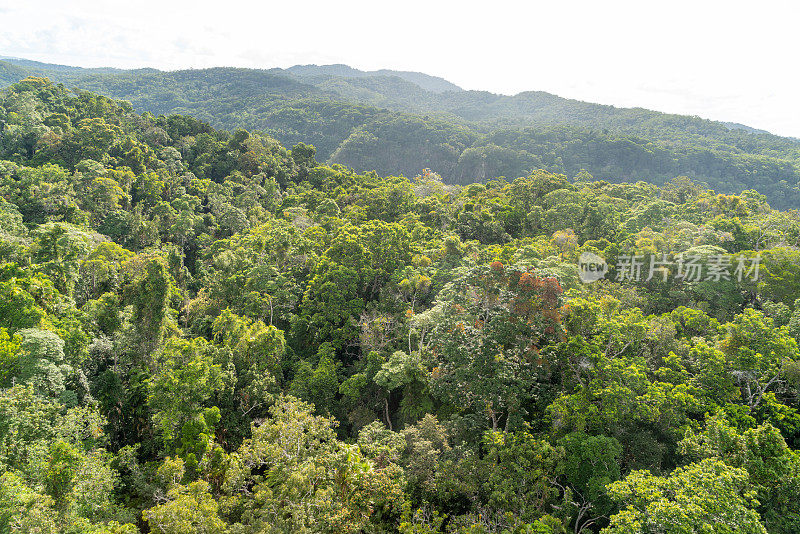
204 331
397 123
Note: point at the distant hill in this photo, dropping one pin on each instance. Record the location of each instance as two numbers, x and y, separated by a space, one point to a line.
12 73
401 122
433 84
737 126
30 67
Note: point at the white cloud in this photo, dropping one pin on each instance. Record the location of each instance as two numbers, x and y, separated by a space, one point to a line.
721 60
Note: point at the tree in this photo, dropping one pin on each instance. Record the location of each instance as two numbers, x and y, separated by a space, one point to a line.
303 478
41 362
256 351
303 155
588 465
758 354
62 467
18 306
9 350
518 471
352 272
189 509
59 249
99 273
23 509
622 398
708 496
407 372
147 291
184 379
773 468
486 351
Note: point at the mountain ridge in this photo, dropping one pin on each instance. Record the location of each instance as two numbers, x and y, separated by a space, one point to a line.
386 123
427 82
324 72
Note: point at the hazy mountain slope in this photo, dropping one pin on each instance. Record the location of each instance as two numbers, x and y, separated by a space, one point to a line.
427 82
11 73
389 92
387 123
51 67
488 111
485 110
216 92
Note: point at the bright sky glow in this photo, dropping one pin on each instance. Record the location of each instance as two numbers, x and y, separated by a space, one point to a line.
731 61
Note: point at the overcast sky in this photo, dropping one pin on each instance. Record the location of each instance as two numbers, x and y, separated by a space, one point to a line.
727 60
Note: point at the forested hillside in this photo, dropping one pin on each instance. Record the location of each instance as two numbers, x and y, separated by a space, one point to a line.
399 122
204 331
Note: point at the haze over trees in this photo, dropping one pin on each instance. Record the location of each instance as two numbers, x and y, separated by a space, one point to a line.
202 330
